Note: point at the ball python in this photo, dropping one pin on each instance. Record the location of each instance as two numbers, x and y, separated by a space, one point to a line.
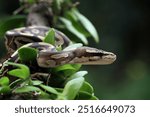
48 56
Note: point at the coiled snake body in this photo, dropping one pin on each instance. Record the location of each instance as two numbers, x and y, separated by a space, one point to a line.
48 56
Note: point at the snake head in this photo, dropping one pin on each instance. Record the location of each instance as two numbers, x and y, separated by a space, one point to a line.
93 56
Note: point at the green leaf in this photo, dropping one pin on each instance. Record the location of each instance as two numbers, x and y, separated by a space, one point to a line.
76 75
76 23
73 46
31 1
63 68
83 96
86 87
4 89
11 22
94 98
73 30
26 89
32 54
72 88
59 48
4 81
50 37
44 96
66 70
23 72
57 5
87 24
60 90
49 89
18 73
36 82
76 66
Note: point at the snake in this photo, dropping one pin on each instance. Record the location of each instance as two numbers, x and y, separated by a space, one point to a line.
48 56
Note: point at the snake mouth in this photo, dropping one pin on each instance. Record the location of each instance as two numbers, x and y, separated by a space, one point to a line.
108 59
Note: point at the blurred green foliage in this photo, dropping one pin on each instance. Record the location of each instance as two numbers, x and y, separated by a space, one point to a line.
123 26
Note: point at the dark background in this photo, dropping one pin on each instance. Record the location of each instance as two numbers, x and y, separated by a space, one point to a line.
124 28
